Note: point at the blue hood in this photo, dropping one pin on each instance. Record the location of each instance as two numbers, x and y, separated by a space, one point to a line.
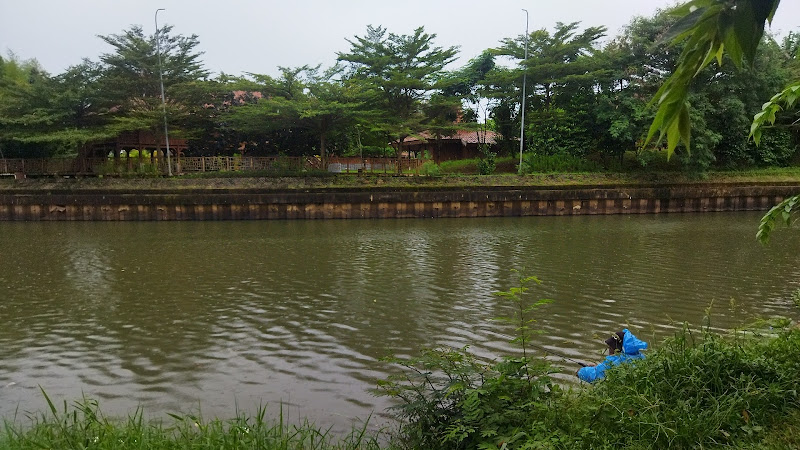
631 344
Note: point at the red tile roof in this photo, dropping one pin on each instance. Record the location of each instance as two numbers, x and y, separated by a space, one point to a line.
465 136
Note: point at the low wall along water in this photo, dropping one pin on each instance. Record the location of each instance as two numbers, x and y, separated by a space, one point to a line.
382 203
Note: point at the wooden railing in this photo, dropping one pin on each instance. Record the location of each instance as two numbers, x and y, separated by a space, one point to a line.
276 164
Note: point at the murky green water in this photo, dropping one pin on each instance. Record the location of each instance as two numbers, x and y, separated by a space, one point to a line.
220 315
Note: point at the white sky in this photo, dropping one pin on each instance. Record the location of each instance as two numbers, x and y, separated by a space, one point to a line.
240 36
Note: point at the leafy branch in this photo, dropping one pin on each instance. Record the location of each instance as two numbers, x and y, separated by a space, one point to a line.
785 212
710 29
783 100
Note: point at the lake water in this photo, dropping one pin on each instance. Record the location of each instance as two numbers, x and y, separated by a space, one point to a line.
217 316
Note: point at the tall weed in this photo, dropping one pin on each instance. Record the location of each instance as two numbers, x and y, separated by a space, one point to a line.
82 425
449 398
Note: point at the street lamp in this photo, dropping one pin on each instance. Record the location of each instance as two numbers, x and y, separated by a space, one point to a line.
163 99
524 79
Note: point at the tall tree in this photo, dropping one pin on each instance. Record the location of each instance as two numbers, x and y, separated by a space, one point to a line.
130 83
303 103
561 73
405 70
41 115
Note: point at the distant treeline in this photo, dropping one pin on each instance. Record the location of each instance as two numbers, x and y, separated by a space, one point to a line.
583 99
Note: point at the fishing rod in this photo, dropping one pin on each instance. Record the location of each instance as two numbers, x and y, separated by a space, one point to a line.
560 355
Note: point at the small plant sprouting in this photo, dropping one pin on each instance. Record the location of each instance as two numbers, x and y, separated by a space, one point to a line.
522 318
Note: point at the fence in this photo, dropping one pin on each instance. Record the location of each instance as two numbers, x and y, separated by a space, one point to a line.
274 164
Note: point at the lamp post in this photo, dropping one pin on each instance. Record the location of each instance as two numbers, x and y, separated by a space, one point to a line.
163 99
522 109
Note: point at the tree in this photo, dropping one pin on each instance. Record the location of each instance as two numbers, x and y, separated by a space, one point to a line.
464 101
130 83
43 115
561 73
303 101
404 70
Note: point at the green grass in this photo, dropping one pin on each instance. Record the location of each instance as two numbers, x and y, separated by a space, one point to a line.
504 164
275 173
83 426
698 389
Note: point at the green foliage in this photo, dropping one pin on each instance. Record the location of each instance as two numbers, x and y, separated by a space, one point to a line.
522 318
551 132
451 399
560 73
581 100
709 28
487 163
785 99
120 169
459 166
696 391
430 169
785 212
558 64
538 163
302 108
82 425
404 70
505 164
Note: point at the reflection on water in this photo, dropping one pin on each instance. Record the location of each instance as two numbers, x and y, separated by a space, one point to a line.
226 315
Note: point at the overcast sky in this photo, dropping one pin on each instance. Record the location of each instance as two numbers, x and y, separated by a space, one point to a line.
241 36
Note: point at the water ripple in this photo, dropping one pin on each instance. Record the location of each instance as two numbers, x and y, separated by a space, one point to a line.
219 316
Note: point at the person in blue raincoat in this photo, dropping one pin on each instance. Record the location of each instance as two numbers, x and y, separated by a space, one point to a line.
623 347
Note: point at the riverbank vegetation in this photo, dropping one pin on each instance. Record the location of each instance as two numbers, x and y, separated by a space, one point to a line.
82 425
464 176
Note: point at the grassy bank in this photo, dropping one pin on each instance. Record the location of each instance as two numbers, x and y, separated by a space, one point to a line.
243 180
82 425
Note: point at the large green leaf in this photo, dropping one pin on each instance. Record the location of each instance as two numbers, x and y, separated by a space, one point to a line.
709 29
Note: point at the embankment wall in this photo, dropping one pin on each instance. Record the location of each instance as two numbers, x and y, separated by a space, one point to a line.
383 203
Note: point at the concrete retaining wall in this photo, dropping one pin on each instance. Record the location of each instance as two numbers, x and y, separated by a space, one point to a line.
253 204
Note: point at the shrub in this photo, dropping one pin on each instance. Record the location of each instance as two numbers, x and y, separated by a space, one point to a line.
449 398
695 391
486 164
431 169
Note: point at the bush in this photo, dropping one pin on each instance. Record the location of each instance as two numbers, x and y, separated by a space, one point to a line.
696 391
431 169
486 164
451 399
